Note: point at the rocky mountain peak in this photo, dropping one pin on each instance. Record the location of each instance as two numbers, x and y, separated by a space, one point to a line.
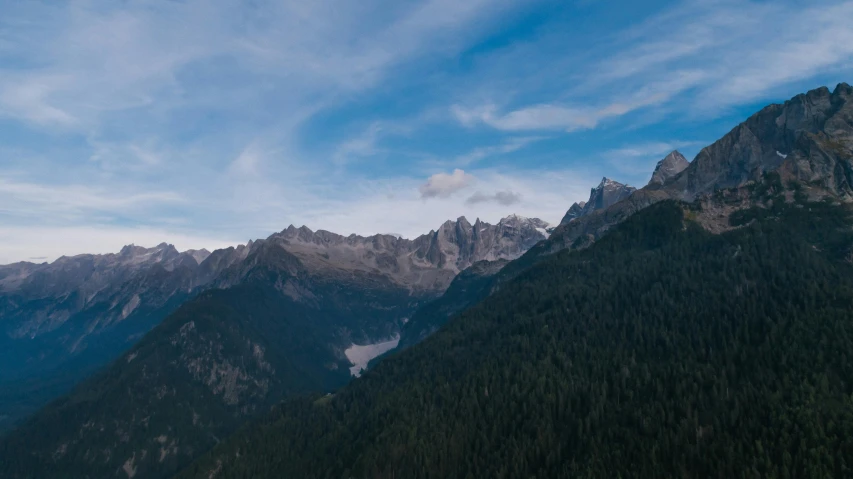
808 138
673 164
199 255
607 193
575 211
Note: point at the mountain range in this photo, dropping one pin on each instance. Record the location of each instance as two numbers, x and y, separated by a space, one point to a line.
632 337
65 319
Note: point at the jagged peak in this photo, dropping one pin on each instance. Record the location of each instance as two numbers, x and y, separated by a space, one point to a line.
609 183
671 165
514 217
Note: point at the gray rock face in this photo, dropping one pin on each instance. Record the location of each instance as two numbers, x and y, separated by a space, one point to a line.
809 138
91 307
428 263
575 211
607 193
71 285
673 164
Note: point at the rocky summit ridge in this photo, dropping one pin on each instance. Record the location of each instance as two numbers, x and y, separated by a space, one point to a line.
60 308
672 164
607 193
807 139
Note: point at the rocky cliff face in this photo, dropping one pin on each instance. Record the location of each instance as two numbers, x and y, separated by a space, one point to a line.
607 193
428 263
61 309
575 211
809 139
673 164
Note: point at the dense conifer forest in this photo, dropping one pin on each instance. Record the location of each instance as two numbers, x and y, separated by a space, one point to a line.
661 350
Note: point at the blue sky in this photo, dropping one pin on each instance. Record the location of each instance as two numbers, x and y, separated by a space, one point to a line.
207 123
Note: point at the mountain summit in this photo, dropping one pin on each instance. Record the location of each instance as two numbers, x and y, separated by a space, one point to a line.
673 164
607 193
808 139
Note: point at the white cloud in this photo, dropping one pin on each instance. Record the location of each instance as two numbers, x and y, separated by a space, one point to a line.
442 185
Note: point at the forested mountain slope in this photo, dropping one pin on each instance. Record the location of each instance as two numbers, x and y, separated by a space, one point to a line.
661 350
469 287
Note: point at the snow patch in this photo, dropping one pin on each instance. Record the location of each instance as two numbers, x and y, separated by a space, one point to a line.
783 155
359 356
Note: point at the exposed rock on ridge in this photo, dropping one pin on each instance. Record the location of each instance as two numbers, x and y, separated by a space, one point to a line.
427 263
607 193
673 164
809 138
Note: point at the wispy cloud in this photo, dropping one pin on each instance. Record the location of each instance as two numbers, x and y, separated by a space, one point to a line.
75 201
737 51
484 152
360 146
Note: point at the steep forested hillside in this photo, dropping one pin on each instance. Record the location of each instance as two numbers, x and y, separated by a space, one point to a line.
661 350
469 287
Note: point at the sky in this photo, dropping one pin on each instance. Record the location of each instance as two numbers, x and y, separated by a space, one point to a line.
206 123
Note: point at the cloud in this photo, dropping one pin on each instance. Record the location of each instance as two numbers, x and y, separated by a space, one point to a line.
360 146
714 56
442 185
509 146
23 199
735 50
505 198
248 162
552 116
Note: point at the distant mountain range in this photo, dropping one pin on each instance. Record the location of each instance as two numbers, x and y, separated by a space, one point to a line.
61 321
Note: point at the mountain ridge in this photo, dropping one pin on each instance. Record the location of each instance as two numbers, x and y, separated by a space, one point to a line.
808 138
